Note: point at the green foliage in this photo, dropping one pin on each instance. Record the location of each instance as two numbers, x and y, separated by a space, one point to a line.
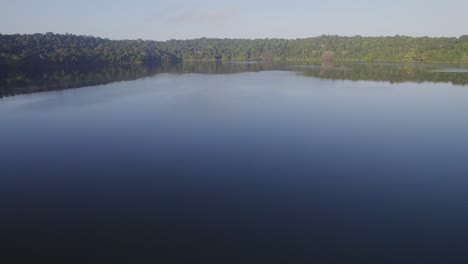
56 50
357 48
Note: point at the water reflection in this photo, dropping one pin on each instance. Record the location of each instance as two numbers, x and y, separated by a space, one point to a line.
267 167
392 72
21 82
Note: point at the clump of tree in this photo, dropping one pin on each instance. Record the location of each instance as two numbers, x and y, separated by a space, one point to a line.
328 59
57 50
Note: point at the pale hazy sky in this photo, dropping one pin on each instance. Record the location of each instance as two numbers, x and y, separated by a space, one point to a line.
162 20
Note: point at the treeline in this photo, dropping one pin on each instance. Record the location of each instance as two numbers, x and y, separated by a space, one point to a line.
364 49
58 50
49 50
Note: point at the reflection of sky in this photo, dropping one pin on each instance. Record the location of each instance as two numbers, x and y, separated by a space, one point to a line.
299 162
162 20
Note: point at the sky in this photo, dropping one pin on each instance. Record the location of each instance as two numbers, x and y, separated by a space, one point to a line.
177 19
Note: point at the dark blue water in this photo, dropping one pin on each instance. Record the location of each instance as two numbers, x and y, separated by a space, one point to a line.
256 167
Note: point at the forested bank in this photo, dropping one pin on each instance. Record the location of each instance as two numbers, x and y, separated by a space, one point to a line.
56 50
67 50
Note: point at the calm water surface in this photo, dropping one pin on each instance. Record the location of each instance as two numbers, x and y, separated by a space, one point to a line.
262 166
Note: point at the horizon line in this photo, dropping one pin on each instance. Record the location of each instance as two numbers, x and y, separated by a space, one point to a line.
238 38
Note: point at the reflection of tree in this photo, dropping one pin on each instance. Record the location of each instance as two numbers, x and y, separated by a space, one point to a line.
224 67
387 72
12 83
35 81
21 82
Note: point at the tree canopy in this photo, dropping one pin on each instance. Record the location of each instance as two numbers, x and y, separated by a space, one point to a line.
67 50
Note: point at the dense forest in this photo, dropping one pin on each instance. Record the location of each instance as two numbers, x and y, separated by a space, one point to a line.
67 50
49 50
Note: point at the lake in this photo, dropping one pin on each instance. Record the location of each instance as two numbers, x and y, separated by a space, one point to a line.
236 163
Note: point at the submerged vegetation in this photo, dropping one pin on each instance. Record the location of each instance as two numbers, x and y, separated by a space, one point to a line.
57 50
